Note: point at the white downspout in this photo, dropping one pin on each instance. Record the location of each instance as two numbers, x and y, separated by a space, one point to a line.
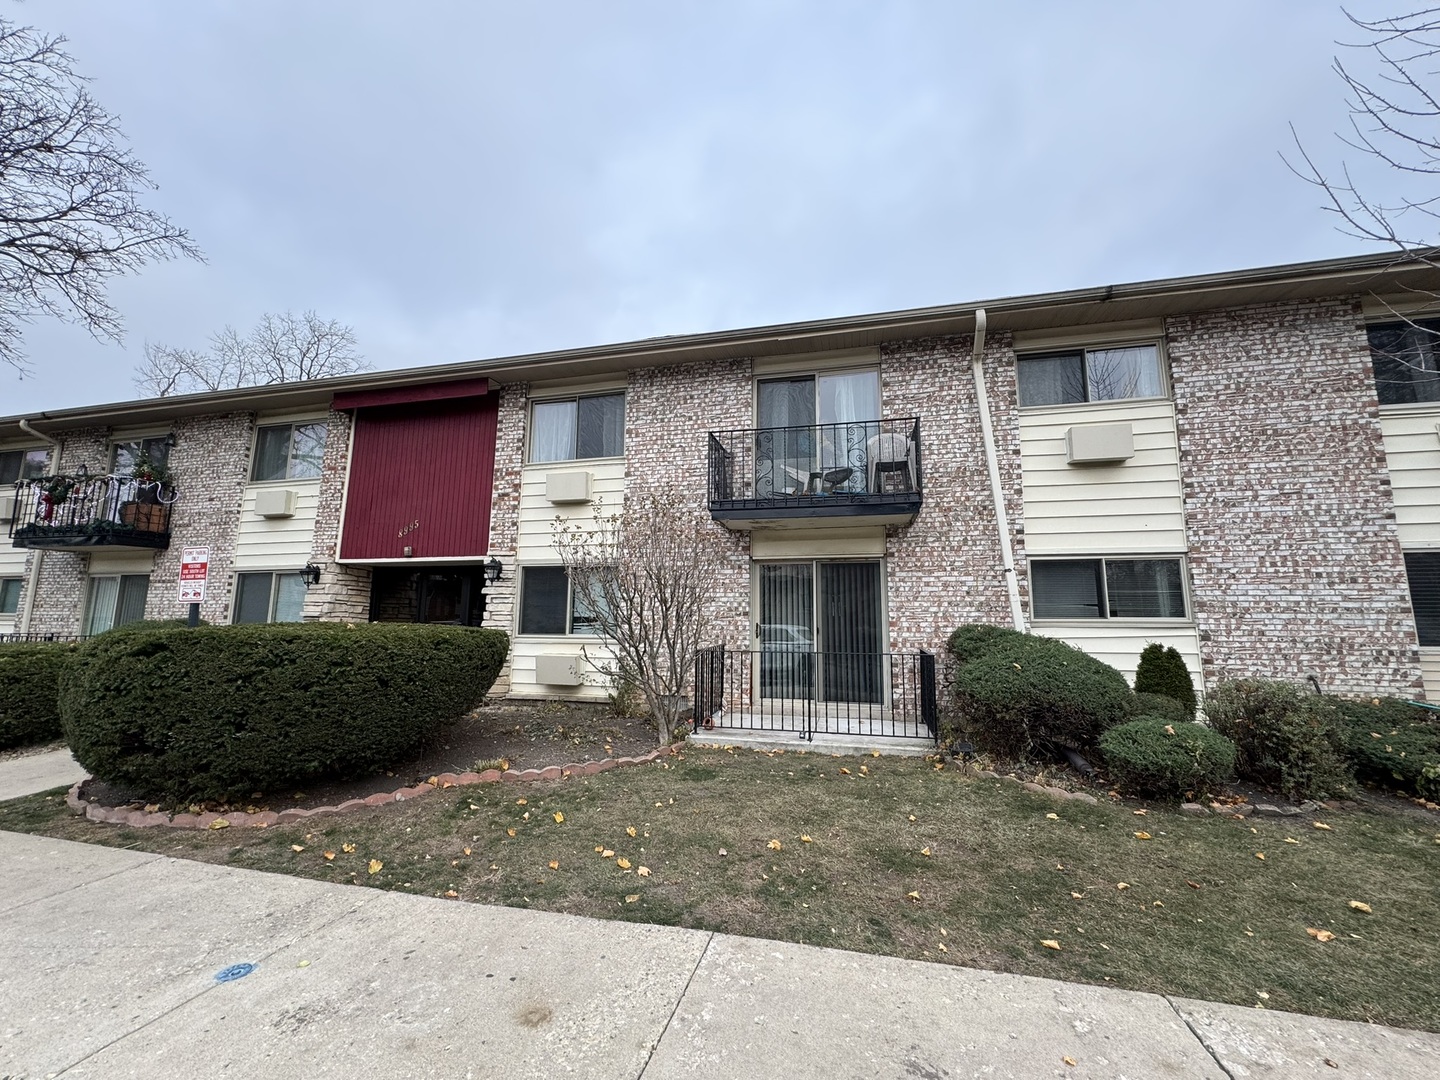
992 464
33 584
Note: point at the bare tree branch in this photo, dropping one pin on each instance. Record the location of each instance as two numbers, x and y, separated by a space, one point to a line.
281 348
70 211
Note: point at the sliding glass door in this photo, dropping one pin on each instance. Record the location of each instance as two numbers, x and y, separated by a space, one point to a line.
813 434
821 631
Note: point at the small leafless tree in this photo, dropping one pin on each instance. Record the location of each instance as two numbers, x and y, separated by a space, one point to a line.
70 211
643 577
281 348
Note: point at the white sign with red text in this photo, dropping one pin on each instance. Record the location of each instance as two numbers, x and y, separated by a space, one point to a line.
194 570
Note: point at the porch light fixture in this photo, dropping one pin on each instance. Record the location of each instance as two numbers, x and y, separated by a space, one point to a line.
310 575
492 570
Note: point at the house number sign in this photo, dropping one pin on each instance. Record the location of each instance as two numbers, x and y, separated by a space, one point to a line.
409 528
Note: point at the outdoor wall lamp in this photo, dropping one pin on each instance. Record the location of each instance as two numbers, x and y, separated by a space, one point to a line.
492 570
310 575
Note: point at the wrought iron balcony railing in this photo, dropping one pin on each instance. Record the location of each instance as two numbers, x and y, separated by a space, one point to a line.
66 512
860 468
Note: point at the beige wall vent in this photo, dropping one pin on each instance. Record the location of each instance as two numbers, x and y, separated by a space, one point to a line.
7 507
275 502
1096 444
567 487
552 669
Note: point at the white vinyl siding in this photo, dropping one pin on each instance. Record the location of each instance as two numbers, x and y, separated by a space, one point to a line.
1430 672
1119 644
277 543
1412 453
1133 506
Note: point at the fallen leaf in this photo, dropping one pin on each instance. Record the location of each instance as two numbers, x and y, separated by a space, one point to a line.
451 893
509 832
219 823
558 816
941 946
1321 825
624 864
805 839
642 871
844 772
1260 855
913 896
599 848
1158 903
376 866
925 851
722 852
607 853
630 830
1291 840
303 963
349 849
1077 896
1121 885
1192 884
1051 943
297 847
328 855
1142 836
521 802
632 898
1169 730
1139 813
554 864
1053 817
1320 935
912 817
494 866
1358 906
874 753
1069 1060
773 845
944 932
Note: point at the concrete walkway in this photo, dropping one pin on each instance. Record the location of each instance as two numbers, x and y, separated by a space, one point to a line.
108 961
38 772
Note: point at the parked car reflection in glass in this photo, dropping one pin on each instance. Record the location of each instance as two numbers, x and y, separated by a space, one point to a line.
787 661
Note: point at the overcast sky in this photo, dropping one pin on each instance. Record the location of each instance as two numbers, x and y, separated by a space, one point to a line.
468 180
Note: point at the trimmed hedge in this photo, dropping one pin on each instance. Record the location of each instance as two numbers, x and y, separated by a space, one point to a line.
220 712
1285 736
1160 705
1026 690
1152 755
1392 743
1162 671
30 674
974 640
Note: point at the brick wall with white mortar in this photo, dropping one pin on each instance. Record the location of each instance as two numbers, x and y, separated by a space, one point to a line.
60 592
343 593
1294 560
505 517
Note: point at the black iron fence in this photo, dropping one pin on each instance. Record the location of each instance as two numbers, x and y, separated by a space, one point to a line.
92 511
25 639
863 463
891 695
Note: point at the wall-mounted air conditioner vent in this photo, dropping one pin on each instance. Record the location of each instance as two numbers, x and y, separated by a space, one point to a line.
553 669
567 487
275 502
1097 444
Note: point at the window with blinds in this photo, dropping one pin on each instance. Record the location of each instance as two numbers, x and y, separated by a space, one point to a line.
115 601
1107 589
1423 570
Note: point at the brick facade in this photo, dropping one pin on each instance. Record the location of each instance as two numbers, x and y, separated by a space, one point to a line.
1294 559
344 591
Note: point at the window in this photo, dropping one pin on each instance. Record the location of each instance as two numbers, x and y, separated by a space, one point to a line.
1069 378
289 452
265 598
585 427
124 456
9 595
1107 589
22 464
115 601
1423 570
1407 369
548 605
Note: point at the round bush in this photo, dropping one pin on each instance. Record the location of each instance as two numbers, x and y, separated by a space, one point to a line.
221 712
1160 705
1392 743
1033 690
1162 671
30 674
974 640
1153 755
1285 737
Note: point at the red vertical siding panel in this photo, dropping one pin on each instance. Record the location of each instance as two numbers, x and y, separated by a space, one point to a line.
421 476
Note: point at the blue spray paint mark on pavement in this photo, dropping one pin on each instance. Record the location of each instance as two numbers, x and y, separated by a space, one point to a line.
233 972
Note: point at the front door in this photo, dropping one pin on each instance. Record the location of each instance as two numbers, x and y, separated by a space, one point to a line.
821 631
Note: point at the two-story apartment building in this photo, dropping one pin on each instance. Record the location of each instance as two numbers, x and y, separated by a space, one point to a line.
1245 466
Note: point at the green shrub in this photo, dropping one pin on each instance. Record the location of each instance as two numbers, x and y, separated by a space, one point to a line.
1160 705
1152 755
1162 671
975 639
1030 690
224 711
1392 743
1285 736
30 674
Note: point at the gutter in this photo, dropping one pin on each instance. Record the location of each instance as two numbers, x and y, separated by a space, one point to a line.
33 584
992 465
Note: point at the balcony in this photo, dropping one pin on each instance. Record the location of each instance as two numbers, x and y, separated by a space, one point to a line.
857 473
69 513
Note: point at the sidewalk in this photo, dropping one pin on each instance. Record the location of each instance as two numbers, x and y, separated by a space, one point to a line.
38 772
108 961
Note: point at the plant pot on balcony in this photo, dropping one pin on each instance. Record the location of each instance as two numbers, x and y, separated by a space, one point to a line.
142 516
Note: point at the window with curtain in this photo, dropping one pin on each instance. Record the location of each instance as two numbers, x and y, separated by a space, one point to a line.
288 452
269 597
1082 375
115 600
591 426
1107 589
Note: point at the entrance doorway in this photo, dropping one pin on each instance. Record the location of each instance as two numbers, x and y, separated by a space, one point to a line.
428 594
821 631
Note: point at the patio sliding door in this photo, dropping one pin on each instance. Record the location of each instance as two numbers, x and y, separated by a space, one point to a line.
813 432
821 631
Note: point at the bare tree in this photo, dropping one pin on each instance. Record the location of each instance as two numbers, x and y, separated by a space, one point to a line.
280 348
642 578
70 211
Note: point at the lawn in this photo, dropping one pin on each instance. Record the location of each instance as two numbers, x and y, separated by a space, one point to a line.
895 856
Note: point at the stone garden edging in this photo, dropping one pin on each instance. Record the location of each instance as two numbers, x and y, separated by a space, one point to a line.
124 815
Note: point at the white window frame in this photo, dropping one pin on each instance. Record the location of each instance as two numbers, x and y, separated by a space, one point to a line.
138 441
289 477
561 399
19 584
25 453
274 576
120 579
1108 619
1041 353
569 630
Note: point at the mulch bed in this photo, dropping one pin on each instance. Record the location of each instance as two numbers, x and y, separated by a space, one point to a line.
524 736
